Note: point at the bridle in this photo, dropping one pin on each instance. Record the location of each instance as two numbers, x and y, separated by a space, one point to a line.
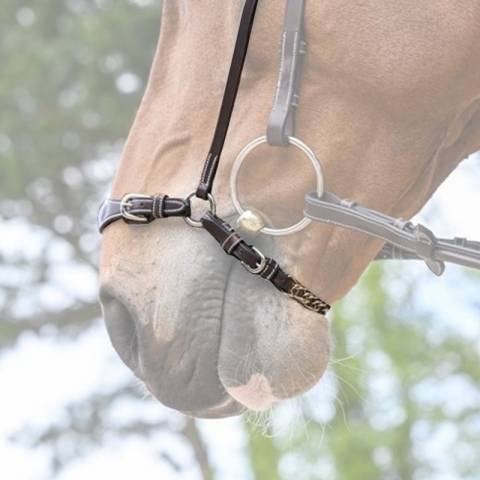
404 240
141 209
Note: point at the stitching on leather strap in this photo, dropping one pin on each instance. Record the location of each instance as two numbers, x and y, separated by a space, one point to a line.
158 205
233 239
274 270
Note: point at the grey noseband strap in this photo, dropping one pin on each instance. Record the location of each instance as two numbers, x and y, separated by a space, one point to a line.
281 123
404 239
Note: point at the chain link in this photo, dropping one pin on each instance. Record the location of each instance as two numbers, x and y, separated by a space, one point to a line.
307 299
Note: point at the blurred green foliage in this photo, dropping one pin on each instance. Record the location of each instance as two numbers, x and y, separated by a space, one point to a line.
72 75
61 62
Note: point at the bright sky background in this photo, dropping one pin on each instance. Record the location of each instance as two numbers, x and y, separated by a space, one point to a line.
41 376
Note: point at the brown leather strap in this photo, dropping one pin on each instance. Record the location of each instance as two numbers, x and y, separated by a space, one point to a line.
147 209
256 263
228 102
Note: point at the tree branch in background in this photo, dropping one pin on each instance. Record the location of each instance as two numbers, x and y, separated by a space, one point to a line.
190 431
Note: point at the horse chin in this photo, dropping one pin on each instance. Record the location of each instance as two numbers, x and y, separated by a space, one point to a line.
271 348
210 345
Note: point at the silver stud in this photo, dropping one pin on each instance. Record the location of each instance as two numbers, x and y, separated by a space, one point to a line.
250 223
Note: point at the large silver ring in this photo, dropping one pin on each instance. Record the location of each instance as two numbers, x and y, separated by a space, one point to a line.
304 222
213 208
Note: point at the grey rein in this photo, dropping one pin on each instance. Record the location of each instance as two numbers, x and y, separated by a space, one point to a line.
404 240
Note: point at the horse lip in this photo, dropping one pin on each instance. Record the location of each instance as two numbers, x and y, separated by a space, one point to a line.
215 402
156 367
227 409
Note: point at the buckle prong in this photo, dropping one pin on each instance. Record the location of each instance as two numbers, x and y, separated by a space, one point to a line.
260 265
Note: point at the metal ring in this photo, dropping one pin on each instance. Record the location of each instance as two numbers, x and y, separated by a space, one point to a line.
213 208
304 222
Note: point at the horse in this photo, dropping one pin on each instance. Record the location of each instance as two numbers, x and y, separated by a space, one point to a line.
390 103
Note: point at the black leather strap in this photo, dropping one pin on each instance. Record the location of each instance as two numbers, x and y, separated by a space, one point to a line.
256 263
156 206
228 102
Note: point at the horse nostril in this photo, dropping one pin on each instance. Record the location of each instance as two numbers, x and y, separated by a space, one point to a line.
121 328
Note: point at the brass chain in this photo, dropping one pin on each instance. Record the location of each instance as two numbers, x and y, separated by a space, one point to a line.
307 299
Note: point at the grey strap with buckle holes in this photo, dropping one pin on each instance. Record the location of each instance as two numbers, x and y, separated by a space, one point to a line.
405 240
281 123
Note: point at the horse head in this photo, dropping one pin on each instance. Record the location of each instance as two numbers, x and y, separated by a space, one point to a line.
390 103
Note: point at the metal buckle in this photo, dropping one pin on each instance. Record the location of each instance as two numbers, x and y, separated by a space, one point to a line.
260 265
213 208
126 204
427 243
